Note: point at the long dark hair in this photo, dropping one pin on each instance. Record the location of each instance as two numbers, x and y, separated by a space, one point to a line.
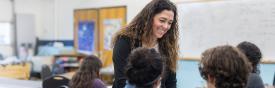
140 28
227 65
87 72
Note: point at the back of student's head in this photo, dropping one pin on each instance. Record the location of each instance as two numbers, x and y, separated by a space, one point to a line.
90 64
144 68
225 66
87 72
252 52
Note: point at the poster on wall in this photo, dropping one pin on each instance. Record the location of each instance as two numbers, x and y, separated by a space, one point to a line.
111 27
86 36
5 34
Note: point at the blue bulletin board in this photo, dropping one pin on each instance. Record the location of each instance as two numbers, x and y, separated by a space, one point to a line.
85 36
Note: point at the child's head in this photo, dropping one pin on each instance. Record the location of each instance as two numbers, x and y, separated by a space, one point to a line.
90 64
87 72
252 52
144 68
224 67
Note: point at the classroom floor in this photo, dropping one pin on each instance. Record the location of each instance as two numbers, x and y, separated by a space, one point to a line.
15 83
188 74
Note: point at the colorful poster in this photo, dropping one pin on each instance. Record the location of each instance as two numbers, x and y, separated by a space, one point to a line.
86 36
111 26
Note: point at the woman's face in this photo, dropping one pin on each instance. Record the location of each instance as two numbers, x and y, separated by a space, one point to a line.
162 23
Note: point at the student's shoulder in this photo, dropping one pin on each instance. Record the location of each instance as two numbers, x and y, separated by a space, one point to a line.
98 83
97 80
254 76
255 81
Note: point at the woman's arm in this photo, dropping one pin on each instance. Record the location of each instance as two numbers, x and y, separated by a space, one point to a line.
122 49
170 80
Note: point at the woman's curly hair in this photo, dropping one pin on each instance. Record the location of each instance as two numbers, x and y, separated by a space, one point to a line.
227 65
140 28
253 54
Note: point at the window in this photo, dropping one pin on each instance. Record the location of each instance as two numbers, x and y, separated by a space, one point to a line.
5 34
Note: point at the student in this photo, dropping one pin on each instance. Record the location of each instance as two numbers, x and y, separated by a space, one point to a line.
254 56
156 27
87 75
144 68
224 67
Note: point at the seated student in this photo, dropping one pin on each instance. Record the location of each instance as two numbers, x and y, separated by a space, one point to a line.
87 75
224 67
144 69
254 56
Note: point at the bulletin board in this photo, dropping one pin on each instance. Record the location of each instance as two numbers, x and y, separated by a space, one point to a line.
111 20
86 31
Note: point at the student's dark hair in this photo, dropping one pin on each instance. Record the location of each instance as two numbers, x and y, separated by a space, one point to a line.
144 68
226 65
87 72
140 28
253 53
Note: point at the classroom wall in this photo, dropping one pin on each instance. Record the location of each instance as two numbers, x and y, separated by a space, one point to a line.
6 12
64 13
42 10
43 15
54 18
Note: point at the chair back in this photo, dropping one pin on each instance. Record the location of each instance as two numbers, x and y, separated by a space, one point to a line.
45 72
56 82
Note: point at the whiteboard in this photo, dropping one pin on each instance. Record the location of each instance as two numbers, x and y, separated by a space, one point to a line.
207 24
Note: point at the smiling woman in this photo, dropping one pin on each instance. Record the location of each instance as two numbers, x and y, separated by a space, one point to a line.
156 26
162 23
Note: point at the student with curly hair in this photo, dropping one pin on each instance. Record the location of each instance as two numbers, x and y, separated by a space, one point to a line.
254 55
144 68
224 67
156 26
87 75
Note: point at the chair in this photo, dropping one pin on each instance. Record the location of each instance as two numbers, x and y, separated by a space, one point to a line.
56 82
45 72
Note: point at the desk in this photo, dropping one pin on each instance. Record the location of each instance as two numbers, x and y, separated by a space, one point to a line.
18 71
70 62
